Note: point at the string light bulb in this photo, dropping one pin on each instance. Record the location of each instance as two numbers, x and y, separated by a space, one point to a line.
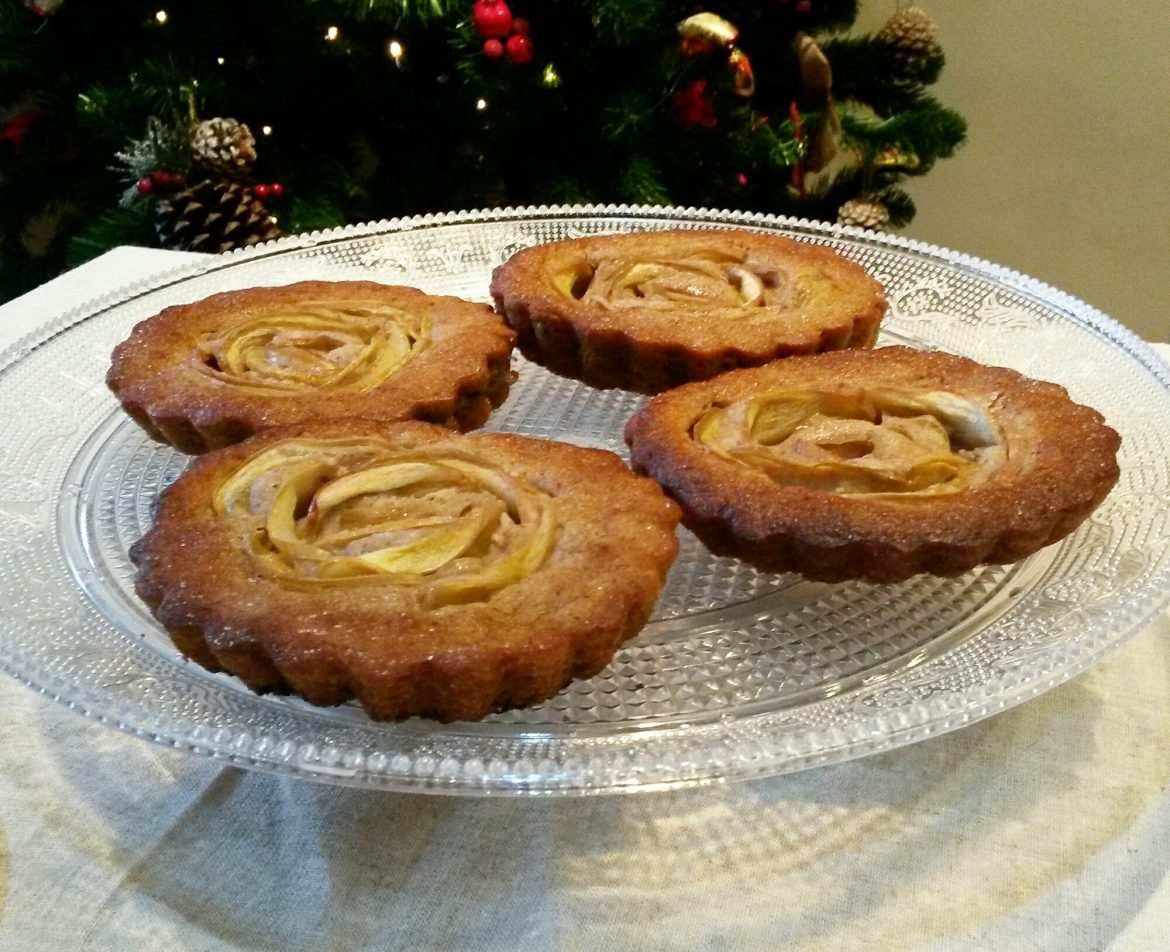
481 104
395 50
332 33
161 16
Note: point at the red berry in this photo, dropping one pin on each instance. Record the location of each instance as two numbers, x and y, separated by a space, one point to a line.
520 25
161 178
803 6
263 191
520 48
493 49
277 189
145 186
492 18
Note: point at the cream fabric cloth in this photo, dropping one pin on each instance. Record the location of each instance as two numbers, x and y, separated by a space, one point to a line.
1045 828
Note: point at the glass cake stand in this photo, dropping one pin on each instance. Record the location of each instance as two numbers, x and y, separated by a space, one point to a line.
739 673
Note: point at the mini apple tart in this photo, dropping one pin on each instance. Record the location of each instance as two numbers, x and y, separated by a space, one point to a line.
652 310
423 572
876 465
208 374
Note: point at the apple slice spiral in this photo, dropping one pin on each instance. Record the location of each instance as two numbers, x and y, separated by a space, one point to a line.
344 511
327 346
857 440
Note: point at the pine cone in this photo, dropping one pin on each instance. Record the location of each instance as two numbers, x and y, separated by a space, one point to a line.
912 33
864 213
223 146
213 216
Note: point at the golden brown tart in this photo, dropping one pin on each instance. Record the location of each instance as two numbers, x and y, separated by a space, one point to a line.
208 374
877 464
651 310
421 571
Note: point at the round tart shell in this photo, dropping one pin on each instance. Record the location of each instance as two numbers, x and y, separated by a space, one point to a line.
1062 462
455 380
646 349
614 544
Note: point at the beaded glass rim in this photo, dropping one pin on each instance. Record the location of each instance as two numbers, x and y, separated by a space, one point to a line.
74 631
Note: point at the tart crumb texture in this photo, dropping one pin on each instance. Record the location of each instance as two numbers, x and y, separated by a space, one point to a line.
419 571
208 374
648 311
876 465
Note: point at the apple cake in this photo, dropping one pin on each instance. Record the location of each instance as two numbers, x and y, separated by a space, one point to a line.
876 465
418 570
647 311
211 373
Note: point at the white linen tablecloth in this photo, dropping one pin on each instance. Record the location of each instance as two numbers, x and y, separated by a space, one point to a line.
1044 828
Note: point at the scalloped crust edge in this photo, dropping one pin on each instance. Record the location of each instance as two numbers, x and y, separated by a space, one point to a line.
611 359
201 432
464 686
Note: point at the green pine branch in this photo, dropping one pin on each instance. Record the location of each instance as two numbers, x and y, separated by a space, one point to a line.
929 131
611 108
641 183
625 23
874 73
400 13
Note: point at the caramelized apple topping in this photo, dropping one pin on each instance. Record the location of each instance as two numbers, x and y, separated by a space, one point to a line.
706 279
345 510
328 346
858 441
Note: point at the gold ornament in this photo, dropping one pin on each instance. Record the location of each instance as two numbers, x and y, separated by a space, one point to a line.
744 80
705 32
708 32
893 159
44 8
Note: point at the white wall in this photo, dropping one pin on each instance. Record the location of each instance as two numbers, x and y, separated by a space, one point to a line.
1065 175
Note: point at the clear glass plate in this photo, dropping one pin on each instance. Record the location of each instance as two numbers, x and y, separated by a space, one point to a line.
739 674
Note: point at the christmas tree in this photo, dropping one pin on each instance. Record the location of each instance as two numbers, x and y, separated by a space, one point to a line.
211 125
